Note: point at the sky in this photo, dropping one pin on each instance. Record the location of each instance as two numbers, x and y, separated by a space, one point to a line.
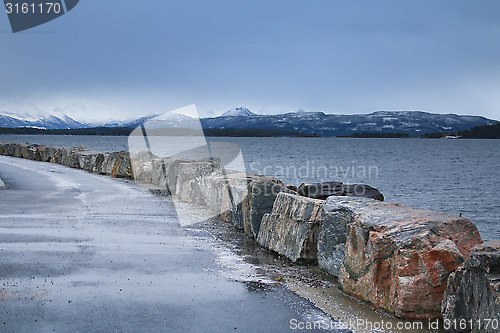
125 59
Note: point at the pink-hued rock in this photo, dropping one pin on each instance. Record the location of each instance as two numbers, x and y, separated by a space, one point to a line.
398 259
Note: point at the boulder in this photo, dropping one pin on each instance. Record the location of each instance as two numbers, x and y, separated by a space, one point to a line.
320 190
246 198
215 189
473 292
8 149
99 166
79 148
58 154
192 185
19 147
327 189
237 192
40 151
47 154
361 190
157 172
28 152
122 167
165 172
12 149
87 159
72 158
397 258
142 166
291 229
110 163
261 193
332 237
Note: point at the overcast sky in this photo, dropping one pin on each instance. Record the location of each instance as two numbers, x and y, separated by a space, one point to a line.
124 59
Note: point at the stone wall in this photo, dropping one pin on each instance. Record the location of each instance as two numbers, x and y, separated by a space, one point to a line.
114 164
393 257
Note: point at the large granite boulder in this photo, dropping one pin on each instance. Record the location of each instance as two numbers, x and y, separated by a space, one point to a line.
142 166
69 156
332 237
165 172
57 156
87 159
237 191
72 158
328 189
215 189
99 166
12 149
110 163
192 182
473 293
291 229
19 148
40 151
48 154
29 152
261 194
122 167
397 258
246 198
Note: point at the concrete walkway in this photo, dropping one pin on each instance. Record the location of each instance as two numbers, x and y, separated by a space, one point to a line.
82 253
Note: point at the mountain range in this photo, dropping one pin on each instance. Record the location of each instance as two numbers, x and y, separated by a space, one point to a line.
414 123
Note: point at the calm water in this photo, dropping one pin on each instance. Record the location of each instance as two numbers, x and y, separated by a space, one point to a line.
454 176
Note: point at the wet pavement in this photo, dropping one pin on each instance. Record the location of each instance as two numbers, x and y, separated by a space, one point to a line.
81 252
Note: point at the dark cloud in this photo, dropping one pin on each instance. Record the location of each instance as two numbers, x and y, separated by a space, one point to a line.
352 57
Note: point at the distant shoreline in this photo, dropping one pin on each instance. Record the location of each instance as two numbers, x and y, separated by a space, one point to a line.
473 133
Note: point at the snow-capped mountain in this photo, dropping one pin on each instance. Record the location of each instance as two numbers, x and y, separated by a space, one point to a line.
167 120
239 112
29 115
415 123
